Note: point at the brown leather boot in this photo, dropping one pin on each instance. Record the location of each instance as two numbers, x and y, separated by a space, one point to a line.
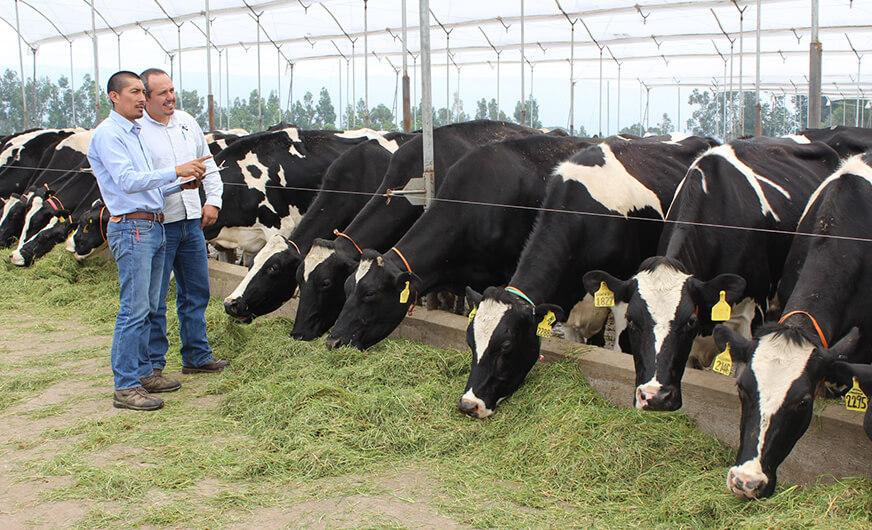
136 398
158 383
211 367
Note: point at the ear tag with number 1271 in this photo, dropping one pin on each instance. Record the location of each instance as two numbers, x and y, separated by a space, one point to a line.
855 399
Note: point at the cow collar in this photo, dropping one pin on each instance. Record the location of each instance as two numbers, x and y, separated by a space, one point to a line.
337 233
518 292
295 246
100 224
55 203
406 263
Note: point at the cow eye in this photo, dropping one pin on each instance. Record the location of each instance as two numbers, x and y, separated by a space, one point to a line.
691 322
273 269
631 325
325 284
506 346
804 402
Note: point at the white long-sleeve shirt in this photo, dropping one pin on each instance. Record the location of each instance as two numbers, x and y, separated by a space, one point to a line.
180 141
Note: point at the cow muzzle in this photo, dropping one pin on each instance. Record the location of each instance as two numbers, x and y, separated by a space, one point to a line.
473 406
17 259
333 343
748 486
658 399
238 309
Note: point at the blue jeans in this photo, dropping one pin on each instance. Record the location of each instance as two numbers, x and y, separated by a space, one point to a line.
186 257
138 247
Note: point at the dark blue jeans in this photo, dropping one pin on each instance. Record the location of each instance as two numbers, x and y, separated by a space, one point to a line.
186 257
138 247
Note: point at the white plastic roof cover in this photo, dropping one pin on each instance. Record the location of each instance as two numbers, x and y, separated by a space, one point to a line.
658 42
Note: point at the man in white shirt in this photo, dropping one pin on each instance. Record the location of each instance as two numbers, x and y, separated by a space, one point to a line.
173 135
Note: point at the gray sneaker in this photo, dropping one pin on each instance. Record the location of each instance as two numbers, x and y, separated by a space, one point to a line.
136 398
158 383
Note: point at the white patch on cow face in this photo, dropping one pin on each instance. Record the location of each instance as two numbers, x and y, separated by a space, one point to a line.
222 144
290 222
10 202
316 256
619 313
362 269
798 138
651 388
391 146
70 245
16 258
610 184
487 318
661 290
729 154
77 142
481 410
275 245
776 364
852 166
249 239
34 207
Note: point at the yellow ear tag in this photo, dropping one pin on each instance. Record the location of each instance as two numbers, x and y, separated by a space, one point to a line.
544 327
472 313
62 219
604 297
404 294
721 310
723 362
855 399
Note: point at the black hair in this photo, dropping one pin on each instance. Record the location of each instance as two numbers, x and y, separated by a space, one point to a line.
117 81
145 75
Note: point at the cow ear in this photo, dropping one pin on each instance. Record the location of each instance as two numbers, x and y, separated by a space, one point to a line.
707 294
406 276
542 309
846 371
473 298
844 349
593 281
741 348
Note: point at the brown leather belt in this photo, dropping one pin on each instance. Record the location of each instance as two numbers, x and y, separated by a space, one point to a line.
159 217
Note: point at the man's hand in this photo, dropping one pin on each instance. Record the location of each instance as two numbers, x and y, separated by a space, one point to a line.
194 168
210 215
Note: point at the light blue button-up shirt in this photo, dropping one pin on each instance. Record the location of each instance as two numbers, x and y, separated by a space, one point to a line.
175 143
123 169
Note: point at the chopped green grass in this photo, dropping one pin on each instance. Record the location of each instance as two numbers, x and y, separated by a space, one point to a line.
290 417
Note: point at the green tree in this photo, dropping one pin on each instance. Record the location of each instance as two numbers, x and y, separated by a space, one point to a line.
381 118
325 114
517 114
488 110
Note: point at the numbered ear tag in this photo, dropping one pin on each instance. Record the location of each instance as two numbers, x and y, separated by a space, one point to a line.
721 310
404 294
855 399
62 219
604 297
544 327
472 313
723 362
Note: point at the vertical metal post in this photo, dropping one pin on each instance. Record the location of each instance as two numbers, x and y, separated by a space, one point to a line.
96 63
427 103
407 118
365 63
181 98
259 90
353 86
758 110
209 68
341 108
741 62
227 85
523 58
72 86
21 70
279 78
220 91
814 71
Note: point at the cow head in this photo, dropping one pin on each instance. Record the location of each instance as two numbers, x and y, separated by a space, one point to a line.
321 278
777 388
12 218
377 297
502 336
56 231
863 373
270 282
42 207
90 233
666 309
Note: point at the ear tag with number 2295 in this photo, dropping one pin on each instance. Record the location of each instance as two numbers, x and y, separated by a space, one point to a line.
855 399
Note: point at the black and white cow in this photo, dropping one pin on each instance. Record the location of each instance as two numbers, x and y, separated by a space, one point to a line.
381 222
847 141
270 178
863 374
464 239
347 186
12 217
219 140
728 230
603 209
24 155
827 290
90 232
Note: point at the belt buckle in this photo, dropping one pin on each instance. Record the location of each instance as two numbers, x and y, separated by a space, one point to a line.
114 219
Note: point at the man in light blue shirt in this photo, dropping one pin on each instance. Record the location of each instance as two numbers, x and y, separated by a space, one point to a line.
130 187
173 135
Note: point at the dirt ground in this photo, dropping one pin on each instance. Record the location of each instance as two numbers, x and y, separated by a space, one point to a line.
404 498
